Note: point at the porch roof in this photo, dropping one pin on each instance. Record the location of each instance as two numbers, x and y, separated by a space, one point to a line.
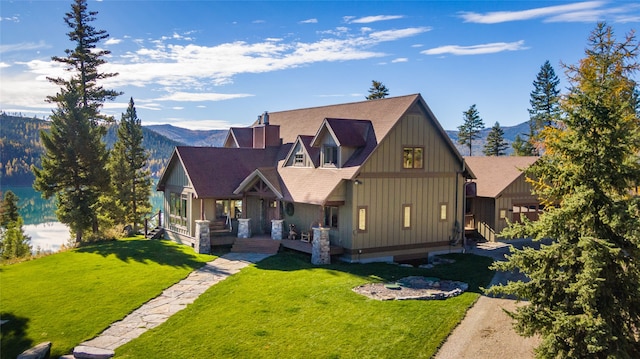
495 173
215 172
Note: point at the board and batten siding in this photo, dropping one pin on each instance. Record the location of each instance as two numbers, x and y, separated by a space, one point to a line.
178 182
386 187
518 192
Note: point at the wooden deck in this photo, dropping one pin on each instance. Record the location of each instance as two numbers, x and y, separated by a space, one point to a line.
305 247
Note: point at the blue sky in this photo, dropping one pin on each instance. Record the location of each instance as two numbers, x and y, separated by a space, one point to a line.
215 64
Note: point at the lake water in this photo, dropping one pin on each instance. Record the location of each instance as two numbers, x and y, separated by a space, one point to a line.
40 222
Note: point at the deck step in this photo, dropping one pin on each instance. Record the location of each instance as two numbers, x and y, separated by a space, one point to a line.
251 245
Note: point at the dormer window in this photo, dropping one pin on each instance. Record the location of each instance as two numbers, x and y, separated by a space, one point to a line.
298 159
329 156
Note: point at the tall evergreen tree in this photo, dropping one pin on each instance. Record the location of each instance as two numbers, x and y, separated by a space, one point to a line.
83 63
545 105
72 164
496 145
130 176
77 181
470 129
377 90
584 292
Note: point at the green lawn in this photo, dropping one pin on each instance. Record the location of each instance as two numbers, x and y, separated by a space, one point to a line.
286 308
72 296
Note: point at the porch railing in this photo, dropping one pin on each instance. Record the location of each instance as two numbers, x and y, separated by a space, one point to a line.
152 223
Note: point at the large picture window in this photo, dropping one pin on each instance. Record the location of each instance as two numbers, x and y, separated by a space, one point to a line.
412 157
178 209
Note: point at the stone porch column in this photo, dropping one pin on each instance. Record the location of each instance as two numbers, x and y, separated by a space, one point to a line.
244 227
276 228
202 244
320 251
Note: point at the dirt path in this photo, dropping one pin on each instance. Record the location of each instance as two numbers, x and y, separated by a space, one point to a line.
487 331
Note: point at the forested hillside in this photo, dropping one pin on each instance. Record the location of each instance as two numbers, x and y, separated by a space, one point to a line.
206 138
20 148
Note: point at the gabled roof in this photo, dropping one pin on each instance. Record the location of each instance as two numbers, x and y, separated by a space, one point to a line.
268 175
348 133
383 114
215 172
305 143
218 172
240 136
495 174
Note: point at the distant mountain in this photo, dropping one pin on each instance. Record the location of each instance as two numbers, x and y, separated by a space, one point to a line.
20 147
510 133
204 138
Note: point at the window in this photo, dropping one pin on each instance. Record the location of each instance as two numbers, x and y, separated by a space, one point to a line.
406 216
178 209
331 217
503 214
444 211
330 156
412 157
362 219
298 160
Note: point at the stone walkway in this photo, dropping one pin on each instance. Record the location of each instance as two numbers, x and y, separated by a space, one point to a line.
159 309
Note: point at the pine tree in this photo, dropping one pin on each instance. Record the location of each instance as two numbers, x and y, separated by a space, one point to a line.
584 292
9 211
522 147
471 127
83 62
14 243
377 90
73 168
130 175
545 105
496 145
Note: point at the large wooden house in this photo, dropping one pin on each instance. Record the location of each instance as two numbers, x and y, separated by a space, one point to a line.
500 193
381 177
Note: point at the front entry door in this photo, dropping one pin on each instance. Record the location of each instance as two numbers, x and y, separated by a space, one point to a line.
270 211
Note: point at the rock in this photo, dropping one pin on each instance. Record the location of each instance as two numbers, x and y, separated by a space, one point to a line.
86 352
40 351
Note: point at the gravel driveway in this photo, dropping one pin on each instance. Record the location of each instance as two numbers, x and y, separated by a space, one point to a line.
487 331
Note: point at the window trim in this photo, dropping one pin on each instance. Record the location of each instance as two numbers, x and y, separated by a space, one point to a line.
359 220
335 154
413 150
405 207
502 214
445 206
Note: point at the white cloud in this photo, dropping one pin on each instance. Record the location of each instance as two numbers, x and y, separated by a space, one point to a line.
476 49
23 46
4 65
391 35
112 41
14 18
177 108
198 96
309 21
400 59
588 11
370 19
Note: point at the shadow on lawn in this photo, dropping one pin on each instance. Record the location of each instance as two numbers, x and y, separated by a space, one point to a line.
468 268
14 340
144 251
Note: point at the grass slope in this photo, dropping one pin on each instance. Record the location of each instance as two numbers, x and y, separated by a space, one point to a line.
284 307
72 296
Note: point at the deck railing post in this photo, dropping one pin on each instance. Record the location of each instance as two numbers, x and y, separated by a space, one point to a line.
146 226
